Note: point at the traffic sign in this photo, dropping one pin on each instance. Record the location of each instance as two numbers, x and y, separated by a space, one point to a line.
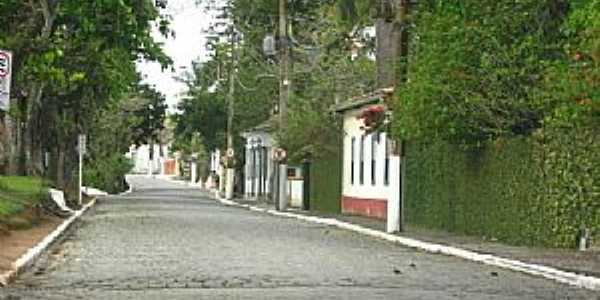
5 74
81 146
4 63
230 153
279 154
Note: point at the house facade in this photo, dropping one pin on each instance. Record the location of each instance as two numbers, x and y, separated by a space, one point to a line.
259 170
259 167
369 178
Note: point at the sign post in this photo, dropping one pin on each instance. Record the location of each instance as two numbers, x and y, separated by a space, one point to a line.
5 74
280 156
81 148
230 174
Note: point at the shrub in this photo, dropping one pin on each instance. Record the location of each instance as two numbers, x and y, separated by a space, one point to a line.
107 173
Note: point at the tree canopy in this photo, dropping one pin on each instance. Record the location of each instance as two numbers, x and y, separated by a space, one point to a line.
74 61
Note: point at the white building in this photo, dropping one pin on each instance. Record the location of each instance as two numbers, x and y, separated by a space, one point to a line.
259 170
140 157
369 176
213 181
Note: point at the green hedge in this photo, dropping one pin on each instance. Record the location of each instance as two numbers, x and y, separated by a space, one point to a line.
325 183
107 173
538 190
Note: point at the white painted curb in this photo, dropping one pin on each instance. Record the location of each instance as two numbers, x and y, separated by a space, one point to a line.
582 281
32 254
127 192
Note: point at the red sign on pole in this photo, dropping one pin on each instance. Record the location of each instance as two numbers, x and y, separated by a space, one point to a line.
4 64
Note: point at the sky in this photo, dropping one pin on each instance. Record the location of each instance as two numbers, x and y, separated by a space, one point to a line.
189 20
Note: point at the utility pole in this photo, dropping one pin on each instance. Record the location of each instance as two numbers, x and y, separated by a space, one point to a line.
284 64
230 172
403 16
284 94
398 37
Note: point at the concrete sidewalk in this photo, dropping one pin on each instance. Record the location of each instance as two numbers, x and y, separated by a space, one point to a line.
586 263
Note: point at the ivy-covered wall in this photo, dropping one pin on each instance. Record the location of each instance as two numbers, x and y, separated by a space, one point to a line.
538 190
326 183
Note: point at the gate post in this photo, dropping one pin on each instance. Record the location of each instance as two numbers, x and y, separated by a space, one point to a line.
306 184
394 198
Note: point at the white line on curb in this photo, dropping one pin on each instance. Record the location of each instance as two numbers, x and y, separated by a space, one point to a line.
582 281
32 254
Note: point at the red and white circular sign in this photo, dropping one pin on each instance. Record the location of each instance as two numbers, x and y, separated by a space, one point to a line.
4 64
279 154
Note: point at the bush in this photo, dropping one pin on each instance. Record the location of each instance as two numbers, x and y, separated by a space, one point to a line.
108 173
326 182
538 190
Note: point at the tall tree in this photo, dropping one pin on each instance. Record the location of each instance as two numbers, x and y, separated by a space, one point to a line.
73 59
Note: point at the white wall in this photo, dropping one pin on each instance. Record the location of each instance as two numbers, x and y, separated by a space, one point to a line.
140 158
366 190
215 160
266 140
295 192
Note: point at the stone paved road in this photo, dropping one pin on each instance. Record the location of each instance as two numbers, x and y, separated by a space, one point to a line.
166 241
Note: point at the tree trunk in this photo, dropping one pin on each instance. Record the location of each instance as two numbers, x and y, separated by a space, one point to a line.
392 42
28 131
60 166
11 144
31 136
385 53
401 35
4 147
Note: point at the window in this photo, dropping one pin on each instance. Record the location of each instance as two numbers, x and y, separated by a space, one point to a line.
388 149
374 141
352 154
361 174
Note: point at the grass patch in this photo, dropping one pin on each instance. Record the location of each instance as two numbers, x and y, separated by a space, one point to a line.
18 193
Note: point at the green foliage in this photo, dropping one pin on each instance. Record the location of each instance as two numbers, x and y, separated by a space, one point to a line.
74 66
107 173
570 161
473 69
523 191
311 128
151 113
317 80
571 87
326 181
481 73
352 12
134 118
17 193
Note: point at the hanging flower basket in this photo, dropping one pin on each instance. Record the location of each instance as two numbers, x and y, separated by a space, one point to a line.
374 118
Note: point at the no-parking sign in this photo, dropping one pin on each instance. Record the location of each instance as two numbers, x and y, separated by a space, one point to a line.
5 73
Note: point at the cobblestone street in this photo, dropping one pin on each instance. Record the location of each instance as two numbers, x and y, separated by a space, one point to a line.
167 241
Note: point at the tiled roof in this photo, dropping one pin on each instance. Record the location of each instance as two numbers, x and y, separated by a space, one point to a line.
377 96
